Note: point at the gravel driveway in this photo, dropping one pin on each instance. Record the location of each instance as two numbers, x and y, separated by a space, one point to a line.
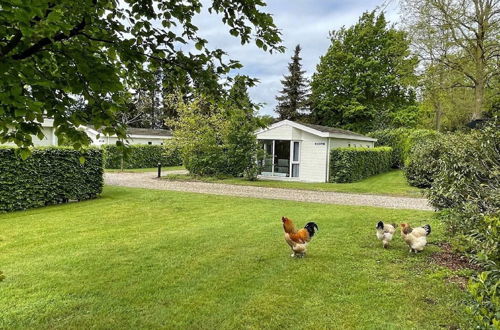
149 181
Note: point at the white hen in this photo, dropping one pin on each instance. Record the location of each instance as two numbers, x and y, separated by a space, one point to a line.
416 238
385 232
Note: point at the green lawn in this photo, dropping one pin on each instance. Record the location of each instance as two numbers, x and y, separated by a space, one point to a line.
141 170
391 183
157 259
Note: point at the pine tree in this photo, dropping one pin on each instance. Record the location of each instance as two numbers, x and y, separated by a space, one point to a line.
293 98
238 95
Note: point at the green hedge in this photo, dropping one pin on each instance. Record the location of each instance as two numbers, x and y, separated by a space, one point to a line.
354 164
402 140
141 156
423 162
48 176
466 188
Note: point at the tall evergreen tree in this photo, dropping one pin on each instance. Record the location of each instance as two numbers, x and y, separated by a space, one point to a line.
293 98
238 95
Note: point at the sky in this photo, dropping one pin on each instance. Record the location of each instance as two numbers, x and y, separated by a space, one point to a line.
304 22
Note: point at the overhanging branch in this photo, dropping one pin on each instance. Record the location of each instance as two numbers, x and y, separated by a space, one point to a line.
47 41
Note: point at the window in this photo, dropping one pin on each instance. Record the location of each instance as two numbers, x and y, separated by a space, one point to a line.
150 142
295 157
349 145
295 170
296 151
161 143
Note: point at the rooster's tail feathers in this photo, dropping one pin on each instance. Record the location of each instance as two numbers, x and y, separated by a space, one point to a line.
427 229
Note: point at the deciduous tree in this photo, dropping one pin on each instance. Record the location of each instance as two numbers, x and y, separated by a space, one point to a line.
52 52
366 79
463 36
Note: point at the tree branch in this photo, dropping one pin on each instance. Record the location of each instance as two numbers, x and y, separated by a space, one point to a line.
11 44
47 41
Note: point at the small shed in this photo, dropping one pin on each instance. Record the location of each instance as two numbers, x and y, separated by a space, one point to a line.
301 152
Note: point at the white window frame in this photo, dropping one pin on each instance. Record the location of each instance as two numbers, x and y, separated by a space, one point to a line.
292 162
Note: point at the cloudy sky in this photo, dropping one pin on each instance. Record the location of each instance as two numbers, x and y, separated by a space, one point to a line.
304 22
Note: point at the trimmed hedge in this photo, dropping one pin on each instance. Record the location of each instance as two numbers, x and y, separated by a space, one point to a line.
141 156
402 140
354 164
49 176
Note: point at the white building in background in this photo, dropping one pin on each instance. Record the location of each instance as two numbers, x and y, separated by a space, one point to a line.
301 152
135 136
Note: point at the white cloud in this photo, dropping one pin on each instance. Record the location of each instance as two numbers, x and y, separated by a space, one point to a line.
304 22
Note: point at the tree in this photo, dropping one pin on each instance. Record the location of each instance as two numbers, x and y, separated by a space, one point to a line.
53 52
293 98
444 106
365 80
238 96
215 140
462 35
153 101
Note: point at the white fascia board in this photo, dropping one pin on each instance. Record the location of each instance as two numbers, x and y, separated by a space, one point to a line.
135 136
295 125
351 137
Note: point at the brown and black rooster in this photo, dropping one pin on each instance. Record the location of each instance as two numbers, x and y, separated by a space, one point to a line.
298 239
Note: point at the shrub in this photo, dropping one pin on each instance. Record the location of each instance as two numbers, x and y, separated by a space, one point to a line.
216 141
48 176
141 156
354 164
466 186
468 173
421 166
401 140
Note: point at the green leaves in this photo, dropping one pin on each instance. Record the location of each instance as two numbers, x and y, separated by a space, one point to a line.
365 78
48 176
465 186
354 164
141 156
54 55
217 139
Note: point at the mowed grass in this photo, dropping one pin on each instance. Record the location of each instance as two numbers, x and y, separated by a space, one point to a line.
142 170
391 183
147 259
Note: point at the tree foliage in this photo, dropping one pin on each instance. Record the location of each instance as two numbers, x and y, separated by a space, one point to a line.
365 80
215 140
463 38
465 185
54 52
294 97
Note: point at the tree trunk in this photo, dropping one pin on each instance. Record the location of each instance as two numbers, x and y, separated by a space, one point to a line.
478 102
439 114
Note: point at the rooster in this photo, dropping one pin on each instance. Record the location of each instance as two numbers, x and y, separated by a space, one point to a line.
416 238
298 239
385 232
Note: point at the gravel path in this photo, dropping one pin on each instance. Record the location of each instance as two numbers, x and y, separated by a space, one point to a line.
149 181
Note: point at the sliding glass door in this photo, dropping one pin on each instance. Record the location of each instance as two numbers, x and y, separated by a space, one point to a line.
282 158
